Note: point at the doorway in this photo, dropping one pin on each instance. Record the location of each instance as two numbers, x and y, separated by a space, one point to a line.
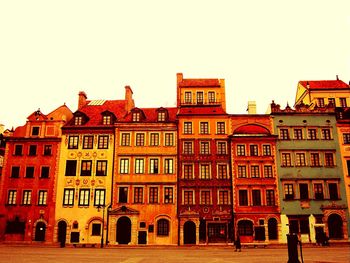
40 230
142 238
189 233
62 233
335 226
123 230
272 229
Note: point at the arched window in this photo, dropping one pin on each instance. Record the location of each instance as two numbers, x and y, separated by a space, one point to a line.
163 227
245 228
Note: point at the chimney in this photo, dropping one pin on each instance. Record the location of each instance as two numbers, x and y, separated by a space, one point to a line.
128 98
251 107
337 77
82 99
179 79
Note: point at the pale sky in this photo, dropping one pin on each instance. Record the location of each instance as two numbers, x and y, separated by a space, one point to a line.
51 50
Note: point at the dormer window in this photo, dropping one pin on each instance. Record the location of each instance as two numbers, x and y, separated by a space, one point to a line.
78 120
161 116
136 116
211 97
188 97
106 120
200 97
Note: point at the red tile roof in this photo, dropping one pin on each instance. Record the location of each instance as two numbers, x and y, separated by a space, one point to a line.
151 114
324 84
210 110
199 83
251 129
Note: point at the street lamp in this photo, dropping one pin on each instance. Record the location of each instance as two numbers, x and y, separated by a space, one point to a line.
109 209
103 221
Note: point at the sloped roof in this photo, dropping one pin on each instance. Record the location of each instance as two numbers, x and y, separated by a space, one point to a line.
199 83
151 114
324 84
251 129
197 110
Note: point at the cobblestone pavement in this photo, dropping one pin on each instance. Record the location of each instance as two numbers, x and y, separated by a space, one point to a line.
38 254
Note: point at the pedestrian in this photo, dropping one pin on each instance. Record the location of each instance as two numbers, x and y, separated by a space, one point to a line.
238 244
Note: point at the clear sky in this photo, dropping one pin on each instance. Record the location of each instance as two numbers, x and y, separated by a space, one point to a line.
51 50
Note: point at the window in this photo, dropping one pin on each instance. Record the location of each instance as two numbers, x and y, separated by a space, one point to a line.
222 171
32 150
205 198
245 228
241 150
318 190
288 191
312 134
161 116
204 171
254 171
140 139
200 96
68 197
243 197
187 127
139 166
286 160
300 159
314 159
346 138
45 172
331 101
88 142
268 172
343 103
153 163
326 134
103 141
284 134
188 148
78 120
348 167
253 150
242 171
270 197
136 116
304 191
18 150
204 148
35 131
211 97
15 172
138 195
106 120
29 172
256 197
223 197
27 197
168 166
154 139
204 128
162 227
221 148
329 160
124 166
333 191
73 142
168 195
125 140
298 134
188 97
220 127
169 139
86 168
123 194
188 171
71 167
99 197
96 229
47 149
84 197
188 197
12 197
42 197
153 195
101 168
266 150
320 102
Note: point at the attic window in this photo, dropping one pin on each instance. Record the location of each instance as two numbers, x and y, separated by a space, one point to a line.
161 116
78 120
35 131
136 116
106 120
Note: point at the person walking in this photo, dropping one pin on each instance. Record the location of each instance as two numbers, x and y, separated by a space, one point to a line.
238 244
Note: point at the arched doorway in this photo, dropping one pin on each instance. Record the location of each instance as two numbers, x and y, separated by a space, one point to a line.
335 226
189 233
245 231
62 233
272 229
40 230
124 230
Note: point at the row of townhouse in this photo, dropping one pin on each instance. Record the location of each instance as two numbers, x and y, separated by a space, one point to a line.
112 173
